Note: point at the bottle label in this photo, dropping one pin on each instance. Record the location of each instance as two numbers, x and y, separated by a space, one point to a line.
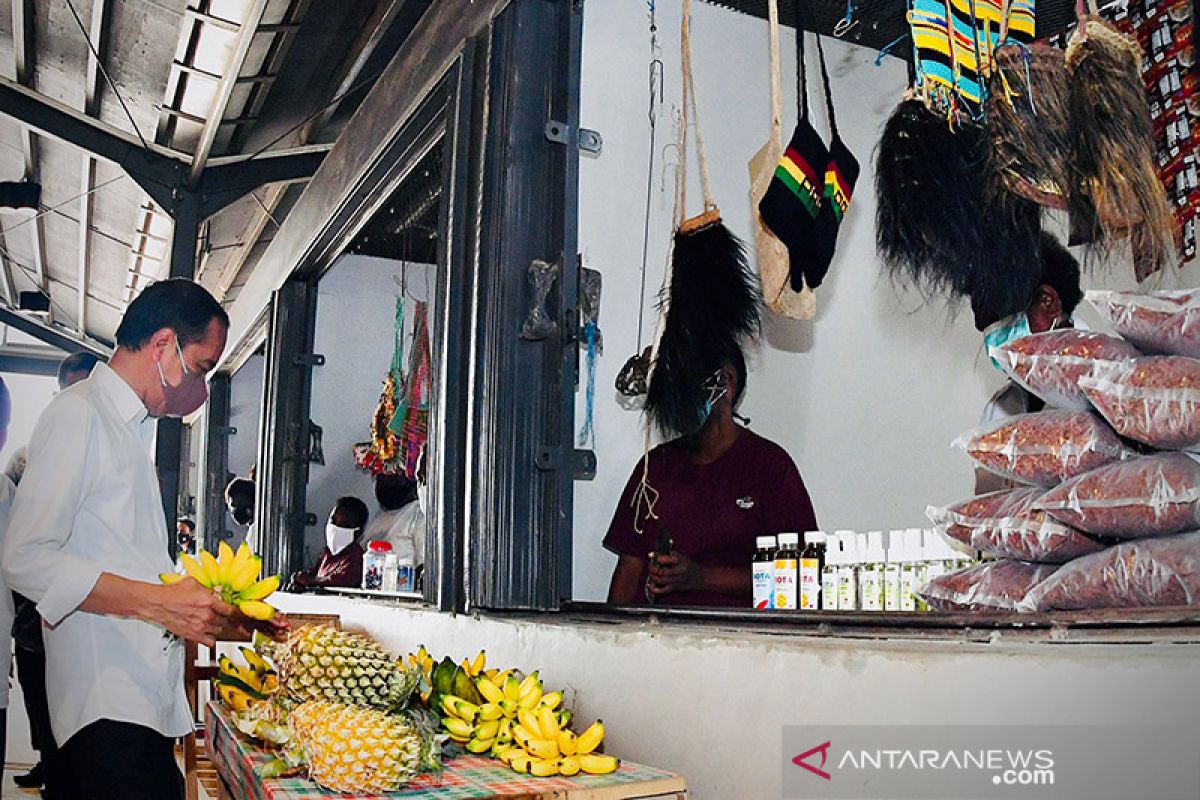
908 590
847 590
829 590
785 582
810 583
764 583
891 590
872 591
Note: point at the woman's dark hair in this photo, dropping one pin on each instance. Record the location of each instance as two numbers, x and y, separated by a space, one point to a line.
738 360
354 511
1060 270
184 306
394 491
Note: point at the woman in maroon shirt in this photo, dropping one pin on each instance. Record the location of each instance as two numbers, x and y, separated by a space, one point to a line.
718 490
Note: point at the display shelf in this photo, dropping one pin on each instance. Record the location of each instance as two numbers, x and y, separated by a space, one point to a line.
346 590
237 760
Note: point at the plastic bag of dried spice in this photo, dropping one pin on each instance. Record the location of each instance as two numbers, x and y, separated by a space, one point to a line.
1160 322
1153 399
1008 524
1146 573
1050 364
1045 448
993 586
1154 495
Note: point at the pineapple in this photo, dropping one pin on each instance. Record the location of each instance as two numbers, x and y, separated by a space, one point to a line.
356 750
322 663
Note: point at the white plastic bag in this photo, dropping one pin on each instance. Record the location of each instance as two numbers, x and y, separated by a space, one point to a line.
1153 399
1145 573
1045 448
1008 524
1154 495
1050 364
1161 322
993 586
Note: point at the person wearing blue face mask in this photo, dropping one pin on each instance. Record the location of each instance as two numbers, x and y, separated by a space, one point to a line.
1051 307
716 491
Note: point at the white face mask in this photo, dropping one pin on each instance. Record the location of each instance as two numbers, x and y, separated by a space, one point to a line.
338 538
423 497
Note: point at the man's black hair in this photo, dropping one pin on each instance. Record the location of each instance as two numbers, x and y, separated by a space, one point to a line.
240 492
394 491
76 362
1060 270
354 511
183 306
189 523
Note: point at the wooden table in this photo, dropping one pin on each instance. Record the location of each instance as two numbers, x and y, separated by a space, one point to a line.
237 760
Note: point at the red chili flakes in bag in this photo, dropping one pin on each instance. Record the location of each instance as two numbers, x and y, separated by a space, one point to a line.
994 586
1153 399
1154 495
1008 524
1050 364
1160 322
1045 448
1145 573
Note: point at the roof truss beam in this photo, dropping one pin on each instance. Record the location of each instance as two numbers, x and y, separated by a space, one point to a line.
208 134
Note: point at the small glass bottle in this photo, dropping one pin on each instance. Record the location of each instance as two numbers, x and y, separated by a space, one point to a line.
829 573
406 576
787 568
910 559
812 562
933 562
870 576
848 572
763 572
891 571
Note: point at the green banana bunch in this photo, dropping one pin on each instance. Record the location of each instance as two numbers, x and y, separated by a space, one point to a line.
235 575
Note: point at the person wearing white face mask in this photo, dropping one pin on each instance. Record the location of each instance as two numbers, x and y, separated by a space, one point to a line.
1051 307
341 562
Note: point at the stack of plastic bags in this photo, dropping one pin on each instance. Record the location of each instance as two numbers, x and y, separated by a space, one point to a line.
1109 513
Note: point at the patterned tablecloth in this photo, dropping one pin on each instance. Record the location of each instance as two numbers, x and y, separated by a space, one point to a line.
237 759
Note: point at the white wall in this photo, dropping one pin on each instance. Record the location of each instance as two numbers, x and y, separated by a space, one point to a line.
868 396
245 412
356 310
711 703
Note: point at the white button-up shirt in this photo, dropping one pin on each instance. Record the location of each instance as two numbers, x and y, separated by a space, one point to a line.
89 503
7 607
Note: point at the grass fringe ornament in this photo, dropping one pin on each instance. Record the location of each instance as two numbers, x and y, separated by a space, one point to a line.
713 300
1027 124
1115 187
939 227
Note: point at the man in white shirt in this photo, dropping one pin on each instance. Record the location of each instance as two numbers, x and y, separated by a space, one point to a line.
88 539
7 612
400 518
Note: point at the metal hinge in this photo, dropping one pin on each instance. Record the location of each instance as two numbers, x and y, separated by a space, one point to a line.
309 360
307 519
585 465
225 430
590 141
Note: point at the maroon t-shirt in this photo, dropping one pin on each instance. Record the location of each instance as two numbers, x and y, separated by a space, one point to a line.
714 511
344 569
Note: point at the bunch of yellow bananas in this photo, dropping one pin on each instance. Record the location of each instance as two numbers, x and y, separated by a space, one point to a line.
543 746
241 687
235 575
521 724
